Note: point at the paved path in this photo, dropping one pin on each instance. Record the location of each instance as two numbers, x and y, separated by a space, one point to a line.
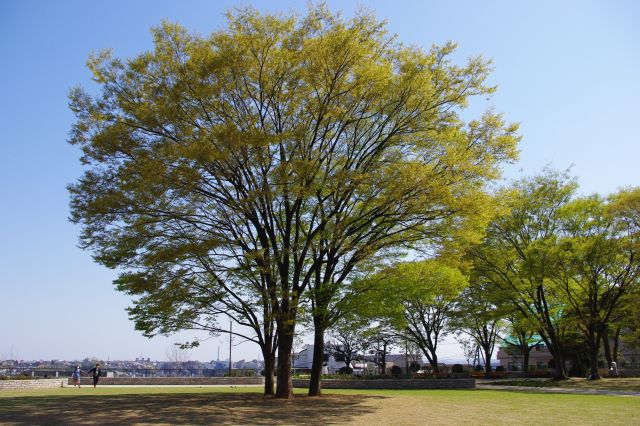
558 390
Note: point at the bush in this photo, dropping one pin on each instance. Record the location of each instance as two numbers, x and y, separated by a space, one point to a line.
478 368
345 370
457 368
20 377
396 371
499 368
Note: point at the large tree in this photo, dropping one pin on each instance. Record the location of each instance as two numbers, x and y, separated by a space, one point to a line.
274 157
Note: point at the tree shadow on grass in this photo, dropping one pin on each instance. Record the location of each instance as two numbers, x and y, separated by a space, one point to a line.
193 408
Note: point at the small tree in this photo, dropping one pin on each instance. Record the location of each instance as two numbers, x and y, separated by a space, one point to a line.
177 354
348 341
521 337
469 347
396 371
479 317
417 298
382 337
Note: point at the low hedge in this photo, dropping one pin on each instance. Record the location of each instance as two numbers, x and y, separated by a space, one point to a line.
21 377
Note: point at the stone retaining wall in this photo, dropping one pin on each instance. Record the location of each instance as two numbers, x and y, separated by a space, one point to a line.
202 381
32 384
391 384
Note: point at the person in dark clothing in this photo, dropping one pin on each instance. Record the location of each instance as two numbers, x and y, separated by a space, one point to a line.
95 372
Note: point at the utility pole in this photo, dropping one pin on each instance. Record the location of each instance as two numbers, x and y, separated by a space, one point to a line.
230 340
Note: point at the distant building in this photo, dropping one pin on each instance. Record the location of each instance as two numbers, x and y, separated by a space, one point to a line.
303 360
540 358
512 360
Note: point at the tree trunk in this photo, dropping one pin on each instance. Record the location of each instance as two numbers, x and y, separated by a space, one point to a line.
284 384
559 372
434 363
616 344
318 359
487 360
525 360
269 369
383 361
593 341
347 360
593 363
607 346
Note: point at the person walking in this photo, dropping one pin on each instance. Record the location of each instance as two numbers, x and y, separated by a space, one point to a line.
76 376
95 372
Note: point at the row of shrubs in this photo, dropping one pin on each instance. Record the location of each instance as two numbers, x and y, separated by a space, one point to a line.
457 371
19 377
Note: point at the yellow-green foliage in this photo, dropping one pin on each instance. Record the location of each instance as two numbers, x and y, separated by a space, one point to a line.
277 152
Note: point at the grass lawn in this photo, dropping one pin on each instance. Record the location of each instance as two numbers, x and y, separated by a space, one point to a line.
617 384
225 406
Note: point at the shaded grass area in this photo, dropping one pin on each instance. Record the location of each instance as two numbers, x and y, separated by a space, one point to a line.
221 406
227 406
613 384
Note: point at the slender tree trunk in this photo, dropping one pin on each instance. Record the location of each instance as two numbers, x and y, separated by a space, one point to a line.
606 344
525 360
593 341
593 363
433 362
269 369
616 344
284 384
383 362
347 360
318 359
487 360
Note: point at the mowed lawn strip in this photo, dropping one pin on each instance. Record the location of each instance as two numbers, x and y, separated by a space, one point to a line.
227 406
613 384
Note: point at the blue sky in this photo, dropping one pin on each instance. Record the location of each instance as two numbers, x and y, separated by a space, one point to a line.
567 71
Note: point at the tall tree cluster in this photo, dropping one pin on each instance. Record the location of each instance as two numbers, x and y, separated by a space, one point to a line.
552 268
564 262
